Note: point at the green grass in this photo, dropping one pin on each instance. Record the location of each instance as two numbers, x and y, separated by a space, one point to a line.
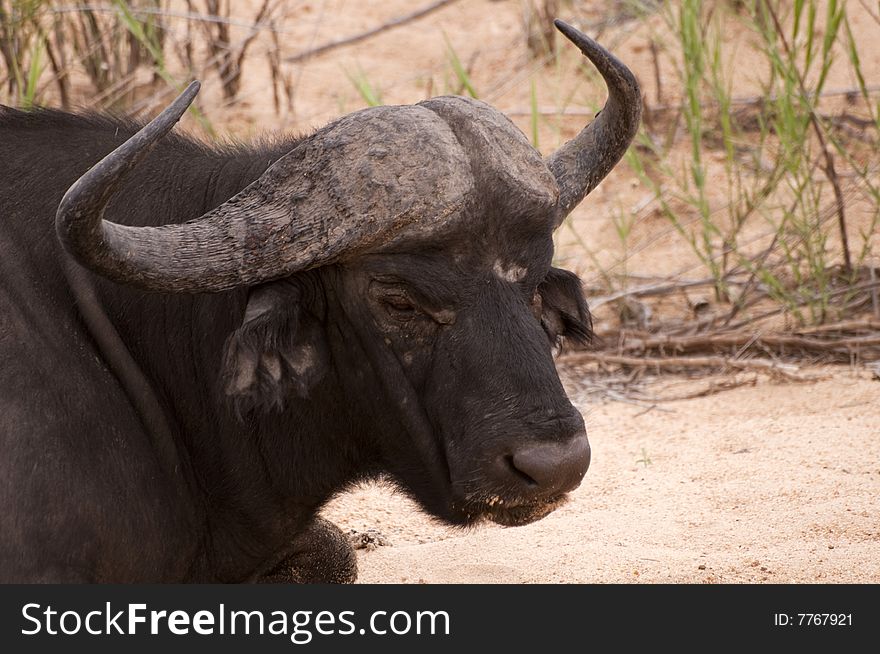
777 165
35 70
459 71
45 43
366 89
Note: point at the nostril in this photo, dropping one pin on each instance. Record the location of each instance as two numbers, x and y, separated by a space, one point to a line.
519 473
556 466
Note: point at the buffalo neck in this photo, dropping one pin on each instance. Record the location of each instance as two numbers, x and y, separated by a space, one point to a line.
248 506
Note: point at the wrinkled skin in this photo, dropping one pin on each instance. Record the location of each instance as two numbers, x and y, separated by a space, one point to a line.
419 333
454 334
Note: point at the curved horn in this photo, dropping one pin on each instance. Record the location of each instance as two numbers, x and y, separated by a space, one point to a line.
583 162
79 220
350 187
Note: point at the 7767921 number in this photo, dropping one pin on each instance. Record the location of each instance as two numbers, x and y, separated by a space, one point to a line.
822 619
814 619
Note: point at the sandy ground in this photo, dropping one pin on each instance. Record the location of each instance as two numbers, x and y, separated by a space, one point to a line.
769 483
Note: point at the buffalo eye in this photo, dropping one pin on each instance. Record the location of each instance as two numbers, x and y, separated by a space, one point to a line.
395 301
399 303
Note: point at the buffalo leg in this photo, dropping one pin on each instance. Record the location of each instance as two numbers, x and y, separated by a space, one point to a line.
321 554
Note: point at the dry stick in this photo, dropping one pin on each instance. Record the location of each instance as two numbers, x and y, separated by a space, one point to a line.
760 259
690 326
396 22
654 289
623 397
876 16
60 75
5 42
163 93
685 343
218 45
844 326
279 78
865 286
658 78
765 365
645 244
113 91
229 64
846 117
875 304
233 76
711 388
165 12
830 172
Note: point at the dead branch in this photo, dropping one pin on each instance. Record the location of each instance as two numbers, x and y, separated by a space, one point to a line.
875 301
617 396
845 326
784 370
357 38
713 387
856 288
715 341
868 10
656 289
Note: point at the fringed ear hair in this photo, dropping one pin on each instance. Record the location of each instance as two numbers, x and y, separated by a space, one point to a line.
564 310
277 352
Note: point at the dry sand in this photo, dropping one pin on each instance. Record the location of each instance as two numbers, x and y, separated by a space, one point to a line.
769 483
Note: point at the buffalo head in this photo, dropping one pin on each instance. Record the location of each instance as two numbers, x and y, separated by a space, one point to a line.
403 255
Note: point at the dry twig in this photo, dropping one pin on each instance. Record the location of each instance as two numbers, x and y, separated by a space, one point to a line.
701 342
783 370
357 38
714 386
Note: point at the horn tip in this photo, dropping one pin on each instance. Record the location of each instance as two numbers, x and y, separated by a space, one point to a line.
574 35
609 66
176 109
192 90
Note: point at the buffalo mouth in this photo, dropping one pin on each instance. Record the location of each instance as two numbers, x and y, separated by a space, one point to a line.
514 514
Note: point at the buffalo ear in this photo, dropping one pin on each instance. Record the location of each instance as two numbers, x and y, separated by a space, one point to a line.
564 311
277 352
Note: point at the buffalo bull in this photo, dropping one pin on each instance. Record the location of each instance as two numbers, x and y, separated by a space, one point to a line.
200 345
